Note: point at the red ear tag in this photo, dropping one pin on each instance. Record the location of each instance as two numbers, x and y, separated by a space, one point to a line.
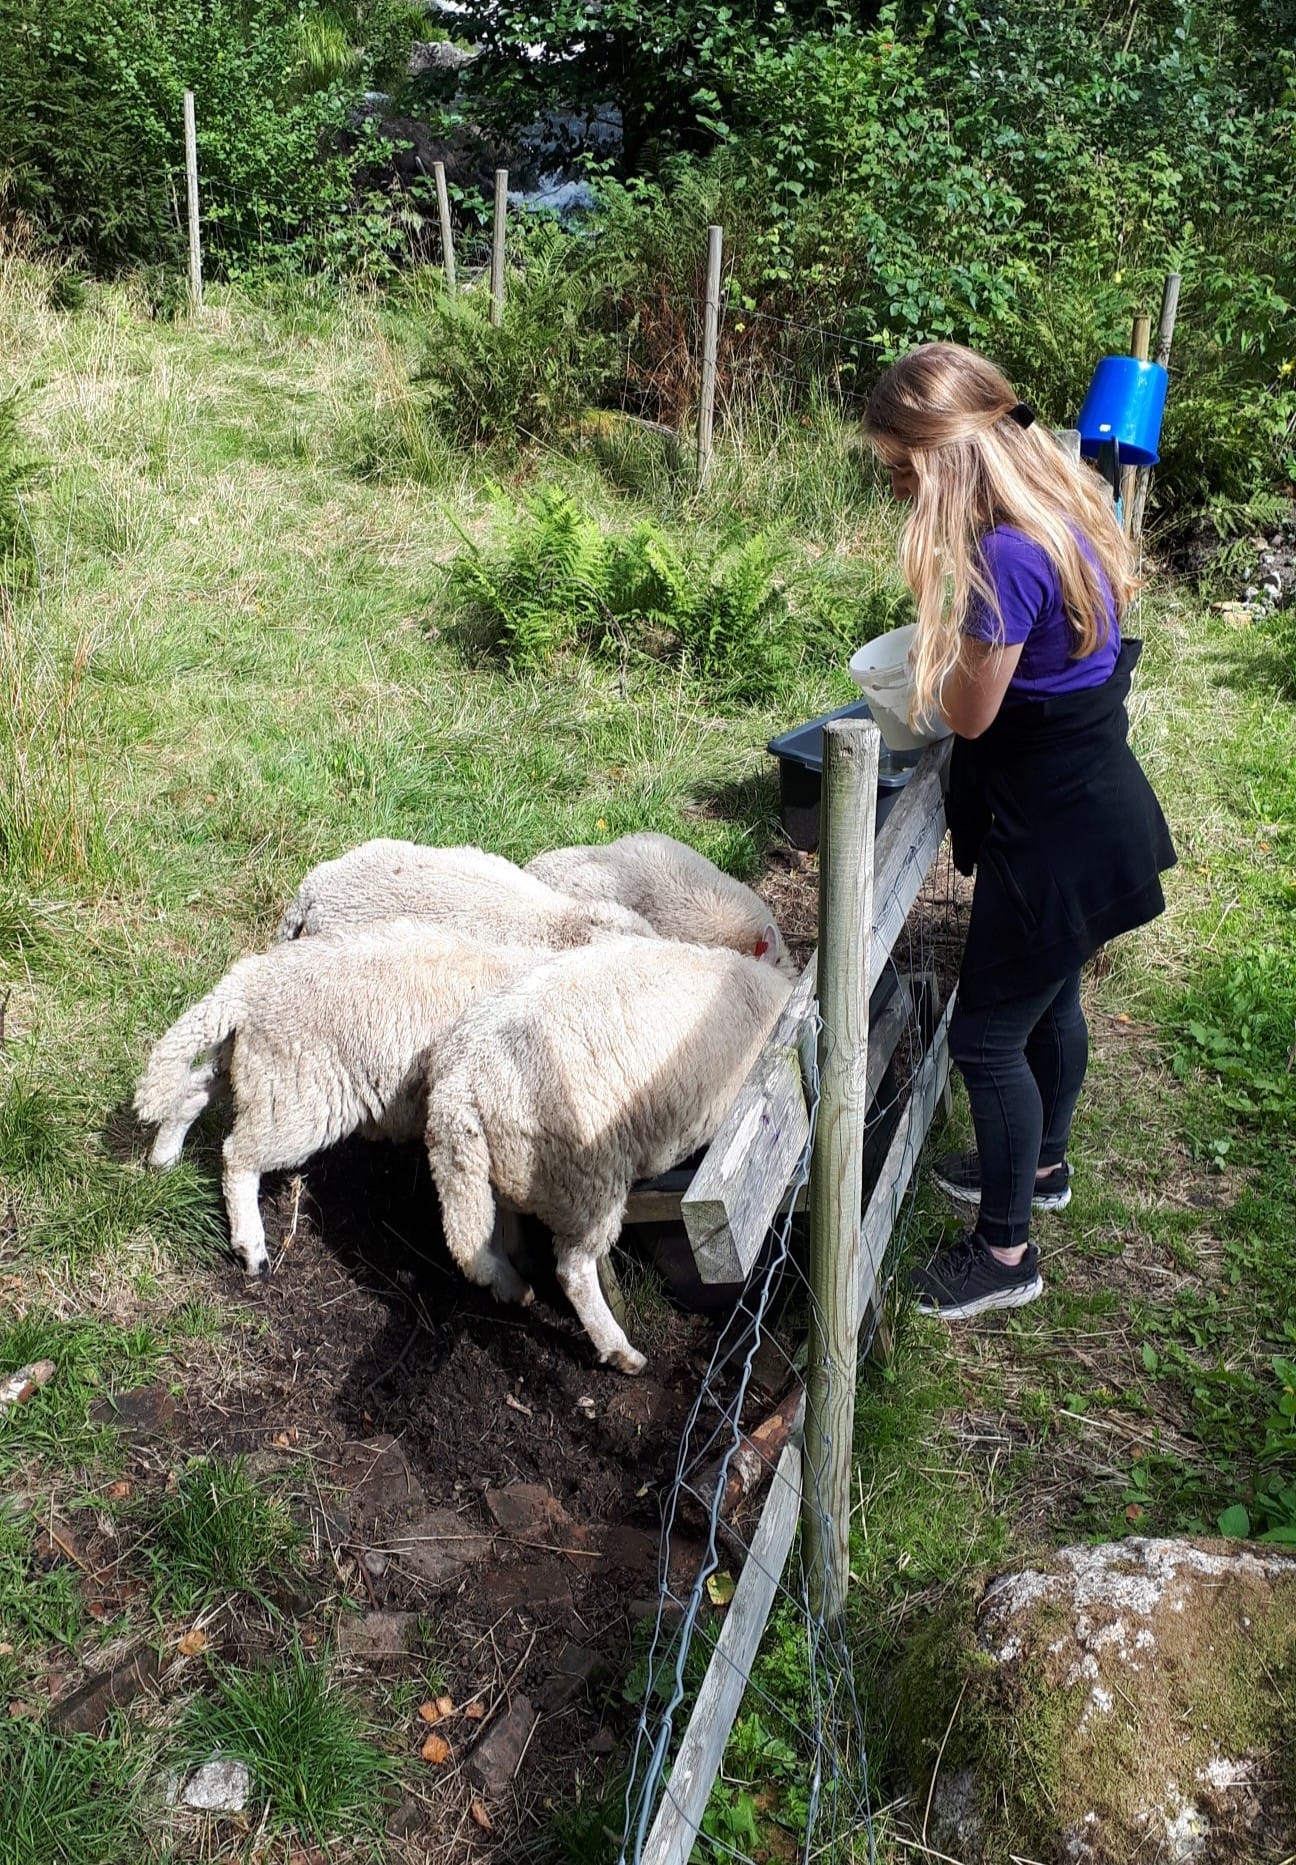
761 947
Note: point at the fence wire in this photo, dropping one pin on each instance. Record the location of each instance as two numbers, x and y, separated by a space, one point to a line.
824 1730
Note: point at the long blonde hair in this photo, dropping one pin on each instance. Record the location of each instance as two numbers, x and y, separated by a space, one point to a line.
947 415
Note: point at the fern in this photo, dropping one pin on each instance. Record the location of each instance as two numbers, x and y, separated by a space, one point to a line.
552 580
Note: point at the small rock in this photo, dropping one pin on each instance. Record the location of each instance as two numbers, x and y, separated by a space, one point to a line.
528 1512
577 1669
218 1787
85 1710
524 1589
438 1546
375 1562
142 1416
406 1821
498 1756
377 1637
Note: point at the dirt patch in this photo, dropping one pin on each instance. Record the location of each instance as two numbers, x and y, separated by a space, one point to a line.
483 1497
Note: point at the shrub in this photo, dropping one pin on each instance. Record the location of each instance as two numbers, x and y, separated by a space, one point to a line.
529 379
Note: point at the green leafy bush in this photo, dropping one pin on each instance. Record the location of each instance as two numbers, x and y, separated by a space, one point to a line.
553 580
529 379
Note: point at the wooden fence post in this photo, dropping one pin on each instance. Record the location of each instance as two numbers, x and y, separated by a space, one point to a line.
1129 474
710 346
1165 337
851 749
447 235
497 248
191 188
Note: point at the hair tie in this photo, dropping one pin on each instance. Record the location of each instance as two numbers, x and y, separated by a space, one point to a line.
1023 414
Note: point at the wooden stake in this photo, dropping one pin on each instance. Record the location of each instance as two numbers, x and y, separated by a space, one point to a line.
191 186
710 347
447 235
851 750
1165 337
497 248
1129 474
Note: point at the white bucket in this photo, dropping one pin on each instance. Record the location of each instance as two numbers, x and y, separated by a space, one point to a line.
881 671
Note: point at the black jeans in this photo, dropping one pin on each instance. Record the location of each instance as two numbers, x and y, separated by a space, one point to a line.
1023 1062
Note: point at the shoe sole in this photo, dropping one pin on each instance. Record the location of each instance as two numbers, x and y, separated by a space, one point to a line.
962 1194
1002 1298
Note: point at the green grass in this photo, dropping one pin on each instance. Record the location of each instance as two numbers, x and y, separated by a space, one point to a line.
313 1763
76 1799
238 651
218 1531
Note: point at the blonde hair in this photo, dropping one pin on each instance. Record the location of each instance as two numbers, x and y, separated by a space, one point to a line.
947 415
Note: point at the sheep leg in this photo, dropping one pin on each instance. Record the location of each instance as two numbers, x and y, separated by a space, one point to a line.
247 1233
578 1260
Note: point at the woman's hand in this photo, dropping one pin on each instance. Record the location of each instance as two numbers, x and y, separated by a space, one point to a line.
972 692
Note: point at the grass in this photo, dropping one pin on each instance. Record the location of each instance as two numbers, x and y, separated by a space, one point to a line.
238 651
313 1765
72 1798
218 1531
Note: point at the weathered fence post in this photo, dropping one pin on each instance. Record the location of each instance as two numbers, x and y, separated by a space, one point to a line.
1165 337
447 235
851 749
191 188
1129 474
497 248
710 346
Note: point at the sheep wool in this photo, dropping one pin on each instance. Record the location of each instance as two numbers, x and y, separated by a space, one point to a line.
591 1071
464 890
678 891
315 1041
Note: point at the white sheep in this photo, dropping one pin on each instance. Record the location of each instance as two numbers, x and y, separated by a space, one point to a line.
592 1070
461 889
678 891
315 1041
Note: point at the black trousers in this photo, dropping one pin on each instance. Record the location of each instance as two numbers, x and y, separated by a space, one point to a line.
1024 1062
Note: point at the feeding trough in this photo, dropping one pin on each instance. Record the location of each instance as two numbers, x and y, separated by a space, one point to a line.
800 756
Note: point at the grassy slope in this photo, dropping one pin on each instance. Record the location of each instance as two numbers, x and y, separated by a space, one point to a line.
238 658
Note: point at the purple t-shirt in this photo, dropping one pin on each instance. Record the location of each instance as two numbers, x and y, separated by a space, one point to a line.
1030 596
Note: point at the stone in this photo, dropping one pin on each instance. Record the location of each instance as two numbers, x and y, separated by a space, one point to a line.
377 1637
85 1710
378 1479
218 1787
498 1756
540 1584
144 1416
1113 1702
529 1512
578 1667
438 1546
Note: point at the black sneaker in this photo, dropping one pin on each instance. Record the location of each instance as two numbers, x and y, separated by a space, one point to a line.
959 1177
966 1280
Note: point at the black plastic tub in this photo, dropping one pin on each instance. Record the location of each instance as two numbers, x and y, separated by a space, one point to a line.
800 756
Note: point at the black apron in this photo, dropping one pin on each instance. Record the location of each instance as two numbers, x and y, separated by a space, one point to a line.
1052 809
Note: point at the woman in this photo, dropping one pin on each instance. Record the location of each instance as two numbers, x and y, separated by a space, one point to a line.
1021 574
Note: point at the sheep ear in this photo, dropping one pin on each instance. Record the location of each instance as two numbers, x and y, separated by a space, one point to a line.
769 947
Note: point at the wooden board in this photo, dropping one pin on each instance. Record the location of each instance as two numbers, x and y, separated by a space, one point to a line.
745 1174
906 848
902 1156
701 1750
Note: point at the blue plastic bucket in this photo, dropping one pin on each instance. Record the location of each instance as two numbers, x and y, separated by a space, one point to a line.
1125 403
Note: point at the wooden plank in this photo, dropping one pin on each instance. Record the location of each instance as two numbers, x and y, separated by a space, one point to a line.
739 1184
498 225
191 197
851 750
897 1168
906 847
701 1749
447 234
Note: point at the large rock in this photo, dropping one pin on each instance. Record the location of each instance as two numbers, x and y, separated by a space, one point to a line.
1129 1701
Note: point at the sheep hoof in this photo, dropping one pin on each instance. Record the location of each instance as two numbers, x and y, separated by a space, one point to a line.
257 1268
626 1361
